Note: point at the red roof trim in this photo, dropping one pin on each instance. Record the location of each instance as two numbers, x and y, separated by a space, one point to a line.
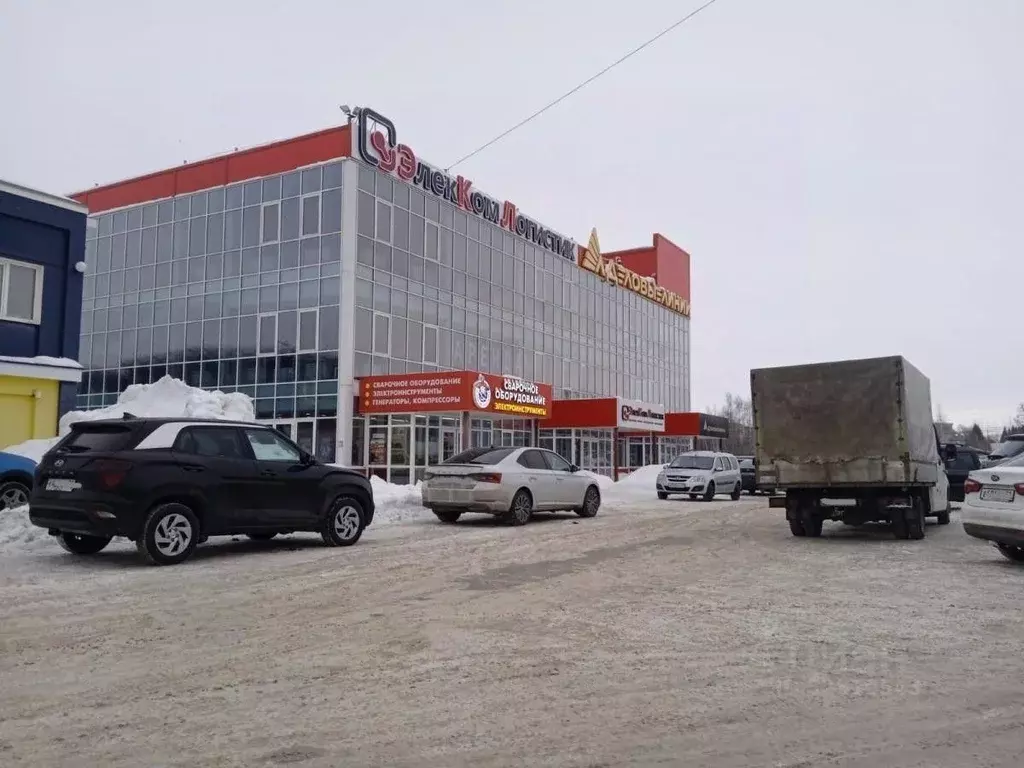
266 160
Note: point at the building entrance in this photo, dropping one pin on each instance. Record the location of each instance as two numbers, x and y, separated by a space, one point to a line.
399 448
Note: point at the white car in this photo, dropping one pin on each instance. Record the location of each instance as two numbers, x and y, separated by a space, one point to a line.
701 473
993 507
510 483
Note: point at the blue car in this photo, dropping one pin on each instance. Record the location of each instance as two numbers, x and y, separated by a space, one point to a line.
16 473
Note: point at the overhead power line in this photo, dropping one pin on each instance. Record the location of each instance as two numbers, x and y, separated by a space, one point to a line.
583 84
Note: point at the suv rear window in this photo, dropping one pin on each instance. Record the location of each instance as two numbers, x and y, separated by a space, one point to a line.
105 438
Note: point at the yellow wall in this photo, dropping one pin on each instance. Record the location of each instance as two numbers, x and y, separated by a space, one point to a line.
28 409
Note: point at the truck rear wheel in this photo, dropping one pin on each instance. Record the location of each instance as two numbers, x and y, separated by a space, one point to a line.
915 520
898 522
812 521
796 527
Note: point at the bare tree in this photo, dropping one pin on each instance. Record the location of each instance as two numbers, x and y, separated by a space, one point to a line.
740 413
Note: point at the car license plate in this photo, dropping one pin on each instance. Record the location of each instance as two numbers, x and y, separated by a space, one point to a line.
62 485
1004 495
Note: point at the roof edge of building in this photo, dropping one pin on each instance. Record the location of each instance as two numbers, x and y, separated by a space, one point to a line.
13 188
249 170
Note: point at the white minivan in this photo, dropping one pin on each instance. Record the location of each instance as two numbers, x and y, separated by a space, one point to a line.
703 474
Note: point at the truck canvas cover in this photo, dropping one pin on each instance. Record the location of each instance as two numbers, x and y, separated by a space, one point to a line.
853 422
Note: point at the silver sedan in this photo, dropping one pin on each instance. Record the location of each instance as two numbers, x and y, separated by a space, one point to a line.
510 483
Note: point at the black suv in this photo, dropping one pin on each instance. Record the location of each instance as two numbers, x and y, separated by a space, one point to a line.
169 484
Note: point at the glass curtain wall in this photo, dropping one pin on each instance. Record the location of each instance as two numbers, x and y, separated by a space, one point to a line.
235 288
439 289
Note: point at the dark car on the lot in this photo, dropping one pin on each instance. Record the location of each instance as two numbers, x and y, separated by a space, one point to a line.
960 463
169 484
748 475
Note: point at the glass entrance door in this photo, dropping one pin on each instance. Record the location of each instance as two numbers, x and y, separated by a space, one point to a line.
315 436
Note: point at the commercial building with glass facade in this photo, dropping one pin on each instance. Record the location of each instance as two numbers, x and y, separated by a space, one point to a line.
293 272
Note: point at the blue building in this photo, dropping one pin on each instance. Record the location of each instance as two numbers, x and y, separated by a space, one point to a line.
42 261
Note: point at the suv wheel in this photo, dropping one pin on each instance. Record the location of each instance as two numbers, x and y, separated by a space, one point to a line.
170 534
13 494
521 510
343 524
591 502
709 494
79 544
943 517
736 492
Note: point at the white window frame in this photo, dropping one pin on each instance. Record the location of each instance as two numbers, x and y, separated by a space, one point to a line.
437 343
263 222
259 334
316 331
319 215
373 335
391 218
5 285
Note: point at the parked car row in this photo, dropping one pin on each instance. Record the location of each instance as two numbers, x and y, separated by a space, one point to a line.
170 484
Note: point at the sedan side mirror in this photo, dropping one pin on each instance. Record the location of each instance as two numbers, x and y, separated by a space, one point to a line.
573 468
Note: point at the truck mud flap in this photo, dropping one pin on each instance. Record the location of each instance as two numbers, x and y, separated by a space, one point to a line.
777 502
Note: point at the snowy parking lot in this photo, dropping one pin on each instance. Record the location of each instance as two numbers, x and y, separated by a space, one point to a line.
657 633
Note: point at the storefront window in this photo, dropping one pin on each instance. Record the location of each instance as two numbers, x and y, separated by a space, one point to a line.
378 441
357 458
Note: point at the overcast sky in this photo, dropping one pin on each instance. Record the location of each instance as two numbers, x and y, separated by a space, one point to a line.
847 175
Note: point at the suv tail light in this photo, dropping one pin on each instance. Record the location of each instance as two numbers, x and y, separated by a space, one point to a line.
971 486
111 472
487 477
1019 488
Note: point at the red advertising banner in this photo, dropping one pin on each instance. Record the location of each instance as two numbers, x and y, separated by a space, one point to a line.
455 391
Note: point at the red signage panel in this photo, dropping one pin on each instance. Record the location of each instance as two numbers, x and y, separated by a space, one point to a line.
455 391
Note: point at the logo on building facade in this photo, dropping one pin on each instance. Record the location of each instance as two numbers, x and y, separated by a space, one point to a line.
644 416
380 148
713 426
481 393
619 274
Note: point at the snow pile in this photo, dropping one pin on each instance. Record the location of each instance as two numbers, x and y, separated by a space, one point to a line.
169 398
16 532
397 503
638 485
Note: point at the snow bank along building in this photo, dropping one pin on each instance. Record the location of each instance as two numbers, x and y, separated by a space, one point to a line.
384 313
42 246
